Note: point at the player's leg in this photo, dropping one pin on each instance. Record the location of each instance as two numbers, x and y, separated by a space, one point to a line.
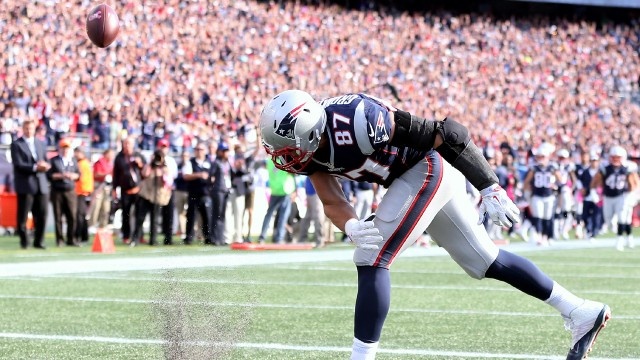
537 211
608 212
548 216
404 213
469 245
625 218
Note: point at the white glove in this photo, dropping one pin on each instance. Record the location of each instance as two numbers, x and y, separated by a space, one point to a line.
363 233
495 202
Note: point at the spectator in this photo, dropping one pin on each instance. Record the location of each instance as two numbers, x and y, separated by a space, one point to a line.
103 186
181 193
240 182
515 89
101 132
249 184
282 186
197 173
63 175
84 190
127 166
220 188
155 192
30 166
168 210
315 215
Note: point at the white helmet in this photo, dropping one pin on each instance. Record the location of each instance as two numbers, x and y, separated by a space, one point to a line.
292 124
618 151
563 153
545 149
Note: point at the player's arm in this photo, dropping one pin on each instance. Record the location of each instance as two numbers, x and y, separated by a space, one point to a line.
449 138
526 186
634 181
336 207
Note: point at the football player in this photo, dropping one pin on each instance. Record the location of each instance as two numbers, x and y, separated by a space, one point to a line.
540 186
423 164
619 183
566 202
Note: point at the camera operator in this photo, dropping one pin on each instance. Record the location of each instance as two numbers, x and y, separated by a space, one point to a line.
155 191
168 210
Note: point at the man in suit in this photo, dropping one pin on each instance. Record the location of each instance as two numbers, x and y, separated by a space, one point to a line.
30 166
63 175
126 175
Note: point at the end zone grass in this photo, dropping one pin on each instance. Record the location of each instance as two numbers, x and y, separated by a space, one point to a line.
304 311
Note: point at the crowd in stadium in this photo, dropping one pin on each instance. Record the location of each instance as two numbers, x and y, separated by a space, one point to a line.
194 71
198 73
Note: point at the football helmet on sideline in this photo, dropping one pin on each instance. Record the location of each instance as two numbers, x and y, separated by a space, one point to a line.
292 124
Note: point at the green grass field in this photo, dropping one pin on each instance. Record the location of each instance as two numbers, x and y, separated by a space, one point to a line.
283 309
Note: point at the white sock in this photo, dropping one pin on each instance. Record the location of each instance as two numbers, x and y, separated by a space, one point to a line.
363 351
563 300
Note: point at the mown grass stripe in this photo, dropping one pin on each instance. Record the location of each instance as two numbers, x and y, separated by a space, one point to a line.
292 306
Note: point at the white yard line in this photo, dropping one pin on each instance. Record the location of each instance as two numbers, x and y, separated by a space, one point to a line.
106 264
288 347
116 277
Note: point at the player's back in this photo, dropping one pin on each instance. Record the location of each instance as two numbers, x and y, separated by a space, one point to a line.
359 130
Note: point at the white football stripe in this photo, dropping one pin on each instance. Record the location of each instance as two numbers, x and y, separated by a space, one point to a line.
289 347
323 284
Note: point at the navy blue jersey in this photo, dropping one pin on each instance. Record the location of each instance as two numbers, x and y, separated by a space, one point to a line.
585 177
358 131
565 171
615 180
544 180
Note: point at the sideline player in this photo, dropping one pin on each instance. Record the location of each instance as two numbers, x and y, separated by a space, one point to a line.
540 186
565 211
619 184
365 139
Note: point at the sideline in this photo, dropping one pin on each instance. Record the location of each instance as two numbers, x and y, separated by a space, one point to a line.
58 267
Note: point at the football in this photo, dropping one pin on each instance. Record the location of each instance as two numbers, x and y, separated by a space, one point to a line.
102 25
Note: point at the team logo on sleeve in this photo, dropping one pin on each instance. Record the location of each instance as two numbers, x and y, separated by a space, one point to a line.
380 134
288 123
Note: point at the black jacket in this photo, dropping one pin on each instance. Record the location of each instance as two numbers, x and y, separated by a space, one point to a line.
26 179
57 166
126 173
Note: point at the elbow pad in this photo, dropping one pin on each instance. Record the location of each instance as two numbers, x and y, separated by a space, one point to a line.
413 132
455 138
458 149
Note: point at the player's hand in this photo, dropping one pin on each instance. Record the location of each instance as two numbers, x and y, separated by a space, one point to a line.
363 233
495 202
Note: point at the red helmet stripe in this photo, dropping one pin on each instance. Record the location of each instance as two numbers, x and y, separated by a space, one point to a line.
294 113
